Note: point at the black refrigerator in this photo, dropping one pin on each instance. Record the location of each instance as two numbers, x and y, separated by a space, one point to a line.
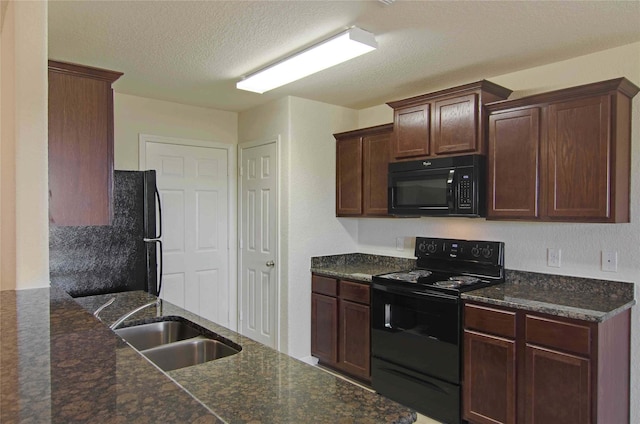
124 256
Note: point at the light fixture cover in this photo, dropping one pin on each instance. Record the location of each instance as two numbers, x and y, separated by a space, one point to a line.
340 48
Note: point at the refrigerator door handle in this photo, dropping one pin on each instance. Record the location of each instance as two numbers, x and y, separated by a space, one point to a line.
159 213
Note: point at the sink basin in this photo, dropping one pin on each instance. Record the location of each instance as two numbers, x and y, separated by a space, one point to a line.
188 352
173 342
146 336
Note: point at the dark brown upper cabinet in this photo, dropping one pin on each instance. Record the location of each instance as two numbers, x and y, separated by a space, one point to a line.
563 155
443 123
362 159
80 144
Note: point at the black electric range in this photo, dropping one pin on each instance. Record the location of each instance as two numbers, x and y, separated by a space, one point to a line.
416 323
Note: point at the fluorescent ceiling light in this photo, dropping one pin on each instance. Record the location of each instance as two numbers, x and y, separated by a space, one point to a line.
340 48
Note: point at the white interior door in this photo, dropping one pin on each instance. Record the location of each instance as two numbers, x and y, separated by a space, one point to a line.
193 186
258 256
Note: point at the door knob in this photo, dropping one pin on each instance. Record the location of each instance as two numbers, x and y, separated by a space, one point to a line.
270 264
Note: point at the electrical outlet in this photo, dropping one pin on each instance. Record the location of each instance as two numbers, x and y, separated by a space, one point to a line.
553 257
400 243
610 260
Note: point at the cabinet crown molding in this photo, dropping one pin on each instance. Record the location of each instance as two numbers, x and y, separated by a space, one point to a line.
483 85
84 71
621 85
365 131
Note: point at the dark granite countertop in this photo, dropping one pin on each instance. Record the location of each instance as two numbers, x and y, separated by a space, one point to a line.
358 266
572 297
60 364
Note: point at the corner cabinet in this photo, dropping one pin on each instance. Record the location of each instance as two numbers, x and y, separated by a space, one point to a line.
563 155
340 325
362 158
447 122
80 144
526 367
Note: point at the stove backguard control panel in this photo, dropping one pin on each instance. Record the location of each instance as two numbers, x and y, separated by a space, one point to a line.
473 251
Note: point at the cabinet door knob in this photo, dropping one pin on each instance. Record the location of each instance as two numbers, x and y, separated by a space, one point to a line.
270 264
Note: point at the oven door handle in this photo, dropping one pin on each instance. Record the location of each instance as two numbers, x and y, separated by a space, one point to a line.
387 315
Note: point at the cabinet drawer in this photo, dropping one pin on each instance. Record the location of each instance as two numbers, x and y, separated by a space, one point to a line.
324 285
355 292
490 320
561 335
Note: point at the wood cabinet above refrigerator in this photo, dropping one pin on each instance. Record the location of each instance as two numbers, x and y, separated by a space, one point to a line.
80 144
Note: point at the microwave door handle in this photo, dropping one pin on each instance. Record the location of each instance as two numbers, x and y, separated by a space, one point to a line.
450 179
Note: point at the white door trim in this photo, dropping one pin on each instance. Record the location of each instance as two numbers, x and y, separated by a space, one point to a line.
232 189
278 269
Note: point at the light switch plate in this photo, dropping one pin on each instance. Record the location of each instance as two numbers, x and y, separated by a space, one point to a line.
400 243
553 257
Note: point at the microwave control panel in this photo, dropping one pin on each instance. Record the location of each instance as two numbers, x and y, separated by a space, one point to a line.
465 190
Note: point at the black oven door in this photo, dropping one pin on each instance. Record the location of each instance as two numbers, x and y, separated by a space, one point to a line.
416 330
422 192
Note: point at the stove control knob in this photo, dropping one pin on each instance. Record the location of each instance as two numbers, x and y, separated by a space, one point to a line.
475 251
431 248
487 252
422 246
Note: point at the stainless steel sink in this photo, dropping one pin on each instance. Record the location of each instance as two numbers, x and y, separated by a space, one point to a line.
174 342
146 336
187 353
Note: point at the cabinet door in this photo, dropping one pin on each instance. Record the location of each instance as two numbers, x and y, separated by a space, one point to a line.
80 144
514 156
455 125
349 177
80 151
557 387
376 163
489 384
579 160
355 338
324 325
411 131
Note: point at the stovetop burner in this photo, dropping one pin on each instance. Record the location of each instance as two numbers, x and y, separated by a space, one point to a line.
411 276
452 266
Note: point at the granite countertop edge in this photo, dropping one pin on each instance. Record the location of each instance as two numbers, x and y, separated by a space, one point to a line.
552 309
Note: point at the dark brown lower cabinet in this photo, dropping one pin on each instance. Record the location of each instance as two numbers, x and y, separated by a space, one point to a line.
558 387
340 325
490 362
525 367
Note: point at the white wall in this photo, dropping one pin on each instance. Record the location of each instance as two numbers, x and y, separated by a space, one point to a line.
526 243
24 240
312 199
139 115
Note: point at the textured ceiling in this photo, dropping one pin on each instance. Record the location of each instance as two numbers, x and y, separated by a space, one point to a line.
194 52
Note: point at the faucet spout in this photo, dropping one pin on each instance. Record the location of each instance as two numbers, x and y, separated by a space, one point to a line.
126 316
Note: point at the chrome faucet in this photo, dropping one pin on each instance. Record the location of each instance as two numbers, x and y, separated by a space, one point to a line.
123 318
107 303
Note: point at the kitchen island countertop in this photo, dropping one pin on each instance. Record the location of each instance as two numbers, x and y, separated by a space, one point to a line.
60 364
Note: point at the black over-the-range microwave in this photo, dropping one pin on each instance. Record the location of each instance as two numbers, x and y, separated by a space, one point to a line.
448 186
